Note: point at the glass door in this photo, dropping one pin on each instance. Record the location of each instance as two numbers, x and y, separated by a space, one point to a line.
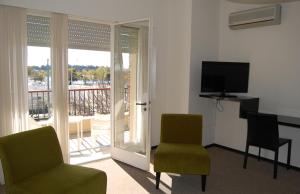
131 137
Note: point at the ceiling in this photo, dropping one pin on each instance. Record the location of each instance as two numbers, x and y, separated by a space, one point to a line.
261 1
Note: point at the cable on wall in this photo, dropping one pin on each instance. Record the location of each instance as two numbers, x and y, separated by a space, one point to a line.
219 106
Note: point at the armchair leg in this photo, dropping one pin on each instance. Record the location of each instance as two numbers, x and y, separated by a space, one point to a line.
203 179
289 155
157 179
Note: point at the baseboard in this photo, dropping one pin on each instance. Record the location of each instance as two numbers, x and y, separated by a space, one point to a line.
210 145
207 146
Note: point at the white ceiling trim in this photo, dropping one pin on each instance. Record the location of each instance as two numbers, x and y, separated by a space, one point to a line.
261 1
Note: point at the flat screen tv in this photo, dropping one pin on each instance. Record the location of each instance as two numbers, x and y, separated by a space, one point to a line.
224 77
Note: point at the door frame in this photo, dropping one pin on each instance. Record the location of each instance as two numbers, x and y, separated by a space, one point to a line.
135 159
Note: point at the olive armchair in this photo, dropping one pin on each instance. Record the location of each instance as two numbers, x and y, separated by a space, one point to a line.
180 150
32 163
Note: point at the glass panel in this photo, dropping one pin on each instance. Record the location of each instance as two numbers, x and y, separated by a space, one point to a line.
89 91
39 87
130 88
89 105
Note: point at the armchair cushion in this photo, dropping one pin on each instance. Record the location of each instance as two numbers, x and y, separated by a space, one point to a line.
181 159
63 179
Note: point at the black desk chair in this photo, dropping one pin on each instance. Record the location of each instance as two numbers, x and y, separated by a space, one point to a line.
263 133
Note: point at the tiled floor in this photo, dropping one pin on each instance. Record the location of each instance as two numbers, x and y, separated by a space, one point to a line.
91 148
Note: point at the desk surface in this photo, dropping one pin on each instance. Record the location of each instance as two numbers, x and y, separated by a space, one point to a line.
289 121
282 119
234 99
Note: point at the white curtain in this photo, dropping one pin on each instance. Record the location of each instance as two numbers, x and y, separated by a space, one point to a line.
13 70
59 58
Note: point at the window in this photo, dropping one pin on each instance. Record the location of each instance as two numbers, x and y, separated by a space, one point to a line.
89 90
39 71
89 84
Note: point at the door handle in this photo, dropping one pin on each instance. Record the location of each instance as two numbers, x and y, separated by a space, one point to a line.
141 103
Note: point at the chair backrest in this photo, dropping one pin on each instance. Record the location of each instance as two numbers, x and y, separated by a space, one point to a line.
181 128
263 130
28 153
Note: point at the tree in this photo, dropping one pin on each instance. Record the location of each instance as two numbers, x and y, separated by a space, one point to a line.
87 75
102 73
30 71
39 75
73 74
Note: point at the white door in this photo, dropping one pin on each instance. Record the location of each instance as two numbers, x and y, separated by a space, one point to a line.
130 96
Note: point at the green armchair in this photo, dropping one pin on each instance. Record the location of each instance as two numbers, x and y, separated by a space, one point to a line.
32 163
180 150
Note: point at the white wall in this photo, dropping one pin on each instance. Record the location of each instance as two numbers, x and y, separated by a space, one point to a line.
173 77
204 46
170 19
177 72
273 52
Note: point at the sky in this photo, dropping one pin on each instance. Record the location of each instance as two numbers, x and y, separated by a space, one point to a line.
38 56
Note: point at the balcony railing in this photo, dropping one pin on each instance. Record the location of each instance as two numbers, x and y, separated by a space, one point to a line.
39 104
87 102
83 102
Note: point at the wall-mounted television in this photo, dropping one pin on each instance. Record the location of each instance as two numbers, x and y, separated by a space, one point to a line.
224 77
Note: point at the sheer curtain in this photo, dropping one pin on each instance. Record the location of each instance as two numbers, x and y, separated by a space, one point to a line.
59 58
13 70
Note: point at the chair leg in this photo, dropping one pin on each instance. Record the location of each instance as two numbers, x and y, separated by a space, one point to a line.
157 179
246 156
275 164
203 179
289 155
258 154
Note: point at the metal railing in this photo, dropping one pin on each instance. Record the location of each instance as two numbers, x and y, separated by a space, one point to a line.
39 104
87 102
83 102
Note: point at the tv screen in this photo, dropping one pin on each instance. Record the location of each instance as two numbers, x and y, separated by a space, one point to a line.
225 77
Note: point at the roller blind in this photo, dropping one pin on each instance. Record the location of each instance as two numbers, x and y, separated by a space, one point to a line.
38 31
89 36
129 39
82 35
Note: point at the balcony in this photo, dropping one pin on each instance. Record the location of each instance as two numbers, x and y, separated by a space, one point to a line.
89 118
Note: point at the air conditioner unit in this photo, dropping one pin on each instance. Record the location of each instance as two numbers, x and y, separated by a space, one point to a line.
263 16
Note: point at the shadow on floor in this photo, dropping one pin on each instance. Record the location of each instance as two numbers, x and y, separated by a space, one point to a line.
145 179
178 184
